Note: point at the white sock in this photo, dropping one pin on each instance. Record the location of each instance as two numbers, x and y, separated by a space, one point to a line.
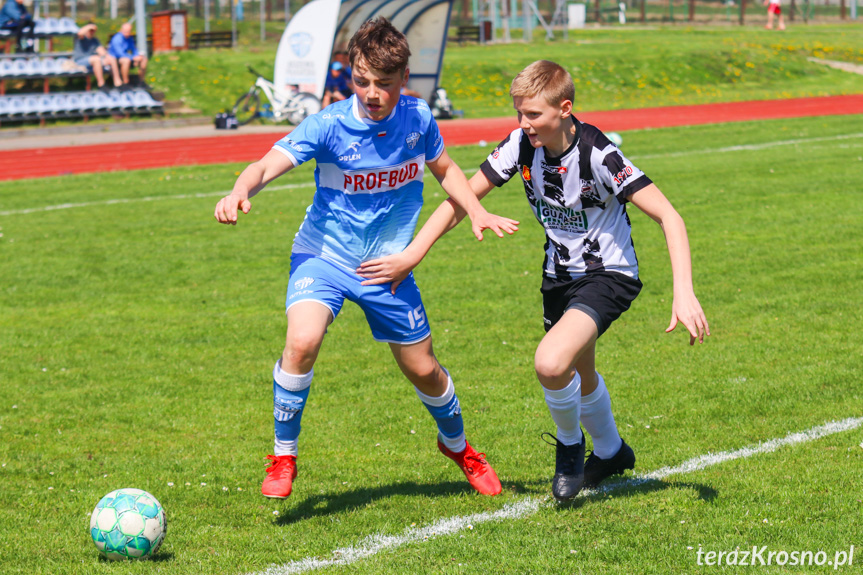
565 405
599 421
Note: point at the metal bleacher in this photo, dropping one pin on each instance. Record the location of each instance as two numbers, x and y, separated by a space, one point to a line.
45 29
60 105
44 105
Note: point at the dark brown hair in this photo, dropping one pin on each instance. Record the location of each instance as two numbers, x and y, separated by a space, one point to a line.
380 46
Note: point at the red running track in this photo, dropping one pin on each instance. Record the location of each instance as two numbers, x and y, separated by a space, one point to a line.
42 162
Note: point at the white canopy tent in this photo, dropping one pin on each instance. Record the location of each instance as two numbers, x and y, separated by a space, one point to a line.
323 26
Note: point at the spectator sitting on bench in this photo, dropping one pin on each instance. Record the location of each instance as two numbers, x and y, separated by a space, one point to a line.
14 16
337 86
123 48
90 53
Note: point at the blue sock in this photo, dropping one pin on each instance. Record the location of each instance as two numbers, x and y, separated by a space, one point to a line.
289 399
447 414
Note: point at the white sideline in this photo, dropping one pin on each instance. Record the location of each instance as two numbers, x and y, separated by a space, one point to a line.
374 544
748 147
740 148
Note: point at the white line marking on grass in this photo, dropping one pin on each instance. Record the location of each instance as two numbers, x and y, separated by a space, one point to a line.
374 544
153 199
749 147
145 199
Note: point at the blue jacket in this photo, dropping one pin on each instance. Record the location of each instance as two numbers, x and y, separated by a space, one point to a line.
12 12
122 47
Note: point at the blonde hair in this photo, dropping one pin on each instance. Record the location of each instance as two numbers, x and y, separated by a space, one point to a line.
544 78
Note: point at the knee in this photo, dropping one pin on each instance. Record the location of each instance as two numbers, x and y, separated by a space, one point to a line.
550 367
301 349
425 373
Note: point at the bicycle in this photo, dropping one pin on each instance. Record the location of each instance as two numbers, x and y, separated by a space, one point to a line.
293 106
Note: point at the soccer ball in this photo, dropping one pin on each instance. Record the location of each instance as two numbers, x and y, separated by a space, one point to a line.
128 524
615 138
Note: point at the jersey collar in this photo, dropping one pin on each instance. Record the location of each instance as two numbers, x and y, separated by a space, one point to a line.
355 108
572 145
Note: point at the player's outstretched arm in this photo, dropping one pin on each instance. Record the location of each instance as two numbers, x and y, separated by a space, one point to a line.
396 267
250 182
455 184
685 307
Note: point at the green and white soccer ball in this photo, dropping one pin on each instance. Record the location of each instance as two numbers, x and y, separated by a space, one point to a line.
128 524
615 138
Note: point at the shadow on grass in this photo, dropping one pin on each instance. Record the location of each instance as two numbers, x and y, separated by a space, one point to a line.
638 486
327 503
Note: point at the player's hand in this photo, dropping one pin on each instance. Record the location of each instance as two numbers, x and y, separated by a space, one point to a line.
497 224
393 268
227 208
687 311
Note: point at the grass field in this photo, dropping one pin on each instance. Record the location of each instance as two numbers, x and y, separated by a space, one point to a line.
137 340
617 67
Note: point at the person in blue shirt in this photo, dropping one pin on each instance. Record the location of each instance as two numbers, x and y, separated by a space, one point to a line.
122 47
370 151
14 16
337 86
89 53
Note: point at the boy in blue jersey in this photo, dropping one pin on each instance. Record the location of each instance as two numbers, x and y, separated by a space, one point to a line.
371 151
577 183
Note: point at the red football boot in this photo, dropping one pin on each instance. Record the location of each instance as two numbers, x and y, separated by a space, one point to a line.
280 476
479 473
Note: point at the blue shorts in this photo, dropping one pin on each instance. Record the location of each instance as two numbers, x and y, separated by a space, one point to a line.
399 318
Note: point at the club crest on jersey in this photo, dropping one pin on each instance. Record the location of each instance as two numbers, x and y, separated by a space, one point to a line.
525 173
412 140
303 283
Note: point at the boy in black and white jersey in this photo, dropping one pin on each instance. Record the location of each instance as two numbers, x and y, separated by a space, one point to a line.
577 183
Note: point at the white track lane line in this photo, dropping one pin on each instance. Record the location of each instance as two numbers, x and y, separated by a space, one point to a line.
374 544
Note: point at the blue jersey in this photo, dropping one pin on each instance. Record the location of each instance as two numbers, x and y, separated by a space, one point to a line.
369 179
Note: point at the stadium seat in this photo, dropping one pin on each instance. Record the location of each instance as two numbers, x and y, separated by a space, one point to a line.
21 67
67 26
7 65
49 66
144 102
117 102
58 105
101 102
87 102
16 106
72 105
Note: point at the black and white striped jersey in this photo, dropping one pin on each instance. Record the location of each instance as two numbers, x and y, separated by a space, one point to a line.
579 198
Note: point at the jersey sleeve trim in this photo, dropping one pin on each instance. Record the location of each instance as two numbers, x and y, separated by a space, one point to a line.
642 182
290 156
492 175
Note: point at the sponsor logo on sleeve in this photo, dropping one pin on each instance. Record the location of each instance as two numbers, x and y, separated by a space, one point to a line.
622 175
292 144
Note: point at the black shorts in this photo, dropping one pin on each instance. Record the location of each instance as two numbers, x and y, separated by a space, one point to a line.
601 295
